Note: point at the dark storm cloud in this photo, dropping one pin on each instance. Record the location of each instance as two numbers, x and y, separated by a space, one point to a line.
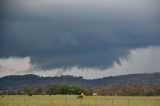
63 34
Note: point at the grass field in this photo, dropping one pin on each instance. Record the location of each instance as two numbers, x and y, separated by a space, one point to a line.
70 100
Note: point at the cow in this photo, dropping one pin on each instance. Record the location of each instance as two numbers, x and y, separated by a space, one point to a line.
94 94
29 94
80 97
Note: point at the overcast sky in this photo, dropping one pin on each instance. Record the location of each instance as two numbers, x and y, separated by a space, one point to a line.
89 38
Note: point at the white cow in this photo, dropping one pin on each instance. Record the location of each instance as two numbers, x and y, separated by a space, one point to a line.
94 94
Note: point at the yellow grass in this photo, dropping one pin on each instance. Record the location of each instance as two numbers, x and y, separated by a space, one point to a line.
70 100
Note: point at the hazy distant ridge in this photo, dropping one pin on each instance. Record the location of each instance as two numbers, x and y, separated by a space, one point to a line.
19 81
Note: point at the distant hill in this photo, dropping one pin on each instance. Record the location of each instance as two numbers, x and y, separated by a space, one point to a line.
19 81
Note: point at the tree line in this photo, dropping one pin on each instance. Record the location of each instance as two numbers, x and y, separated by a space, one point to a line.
51 89
129 90
109 90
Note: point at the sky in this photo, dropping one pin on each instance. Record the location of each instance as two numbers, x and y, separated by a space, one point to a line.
89 38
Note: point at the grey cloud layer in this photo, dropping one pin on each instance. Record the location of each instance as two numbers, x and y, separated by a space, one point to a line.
62 34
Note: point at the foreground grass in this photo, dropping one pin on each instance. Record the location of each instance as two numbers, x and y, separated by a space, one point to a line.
70 100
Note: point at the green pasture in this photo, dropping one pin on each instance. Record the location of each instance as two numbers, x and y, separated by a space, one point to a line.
70 100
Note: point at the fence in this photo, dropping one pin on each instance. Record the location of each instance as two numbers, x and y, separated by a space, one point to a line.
70 100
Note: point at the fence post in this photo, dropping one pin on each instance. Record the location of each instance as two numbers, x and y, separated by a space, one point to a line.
38 101
112 102
65 100
145 102
96 100
128 101
50 101
24 101
80 101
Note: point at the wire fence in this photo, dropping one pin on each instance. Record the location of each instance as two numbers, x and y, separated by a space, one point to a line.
68 100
